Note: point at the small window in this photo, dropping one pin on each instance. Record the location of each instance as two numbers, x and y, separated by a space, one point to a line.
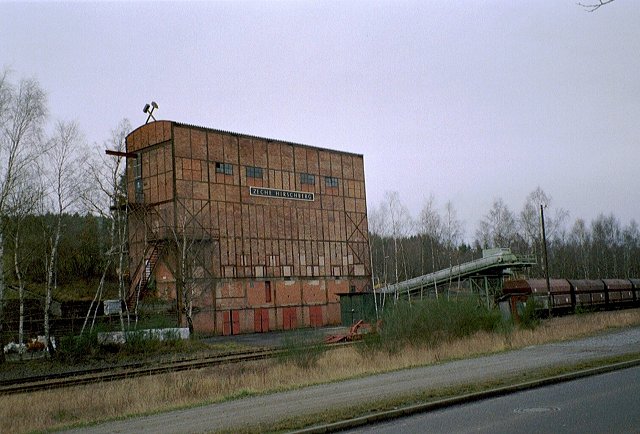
306 178
224 168
331 181
254 172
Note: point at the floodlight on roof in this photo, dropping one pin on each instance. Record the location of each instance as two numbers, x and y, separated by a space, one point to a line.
149 109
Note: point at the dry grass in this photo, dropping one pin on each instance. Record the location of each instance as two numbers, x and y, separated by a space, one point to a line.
58 408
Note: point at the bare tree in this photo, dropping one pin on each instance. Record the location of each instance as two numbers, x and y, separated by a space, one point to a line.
529 220
105 194
430 226
606 238
452 233
63 161
498 227
22 113
188 273
592 7
631 253
399 226
377 224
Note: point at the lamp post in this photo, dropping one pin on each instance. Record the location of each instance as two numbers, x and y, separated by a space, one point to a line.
546 260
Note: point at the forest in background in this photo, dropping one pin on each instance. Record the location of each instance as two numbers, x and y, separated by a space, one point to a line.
405 246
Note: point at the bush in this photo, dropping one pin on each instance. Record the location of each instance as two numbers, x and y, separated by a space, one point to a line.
432 322
529 317
75 349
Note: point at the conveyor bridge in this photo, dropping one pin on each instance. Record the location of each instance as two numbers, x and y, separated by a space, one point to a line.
495 263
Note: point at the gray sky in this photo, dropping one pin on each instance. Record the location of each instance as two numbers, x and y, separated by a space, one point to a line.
468 100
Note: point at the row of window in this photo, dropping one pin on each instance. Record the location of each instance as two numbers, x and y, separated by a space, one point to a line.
256 172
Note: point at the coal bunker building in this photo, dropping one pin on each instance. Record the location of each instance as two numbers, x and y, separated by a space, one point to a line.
244 234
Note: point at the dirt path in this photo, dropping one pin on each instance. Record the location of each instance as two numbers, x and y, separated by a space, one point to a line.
272 408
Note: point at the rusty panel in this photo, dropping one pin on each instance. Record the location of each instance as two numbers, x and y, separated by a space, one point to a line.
253 222
230 144
313 292
182 142
151 133
262 260
215 147
287 157
584 285
313 165
358 168
259 153
232 193
347 166
300 159
167 127
246 152
325 164
200 190
198 144
273 154
336 165
333 314
184 189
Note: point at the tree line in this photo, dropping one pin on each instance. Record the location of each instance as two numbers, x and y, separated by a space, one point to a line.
57 222
405 246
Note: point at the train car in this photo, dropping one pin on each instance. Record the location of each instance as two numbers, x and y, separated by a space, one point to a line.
588 293
620 292
567 295
560 291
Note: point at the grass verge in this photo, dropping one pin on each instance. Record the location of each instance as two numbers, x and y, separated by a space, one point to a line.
89 404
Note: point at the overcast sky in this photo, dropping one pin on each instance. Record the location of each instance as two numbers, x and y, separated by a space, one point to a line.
467 100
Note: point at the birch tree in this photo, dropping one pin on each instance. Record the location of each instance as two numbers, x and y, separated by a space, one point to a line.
452 233
63 168
23 201
22 114
498 227
399 222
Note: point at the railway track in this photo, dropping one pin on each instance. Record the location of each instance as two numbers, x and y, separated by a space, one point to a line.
131 370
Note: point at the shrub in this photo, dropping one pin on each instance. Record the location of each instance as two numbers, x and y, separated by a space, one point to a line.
75 349
432 322
529 316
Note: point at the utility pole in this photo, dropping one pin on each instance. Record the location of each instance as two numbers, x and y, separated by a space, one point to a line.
546 260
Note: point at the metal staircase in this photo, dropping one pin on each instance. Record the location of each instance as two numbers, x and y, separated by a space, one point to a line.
144 271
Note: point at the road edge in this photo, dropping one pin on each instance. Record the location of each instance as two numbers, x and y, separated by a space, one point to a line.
463 399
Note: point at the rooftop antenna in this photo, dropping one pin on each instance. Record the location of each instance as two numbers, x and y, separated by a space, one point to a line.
149 109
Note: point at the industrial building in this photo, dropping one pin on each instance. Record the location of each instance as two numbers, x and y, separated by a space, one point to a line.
244 234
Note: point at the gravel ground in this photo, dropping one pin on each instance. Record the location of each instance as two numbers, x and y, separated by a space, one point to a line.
271 408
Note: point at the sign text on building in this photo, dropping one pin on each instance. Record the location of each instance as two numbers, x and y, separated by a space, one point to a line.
283 194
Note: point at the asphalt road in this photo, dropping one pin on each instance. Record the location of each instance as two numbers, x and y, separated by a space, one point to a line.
603 403
251 412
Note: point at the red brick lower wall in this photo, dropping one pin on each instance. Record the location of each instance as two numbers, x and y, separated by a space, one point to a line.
246 306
